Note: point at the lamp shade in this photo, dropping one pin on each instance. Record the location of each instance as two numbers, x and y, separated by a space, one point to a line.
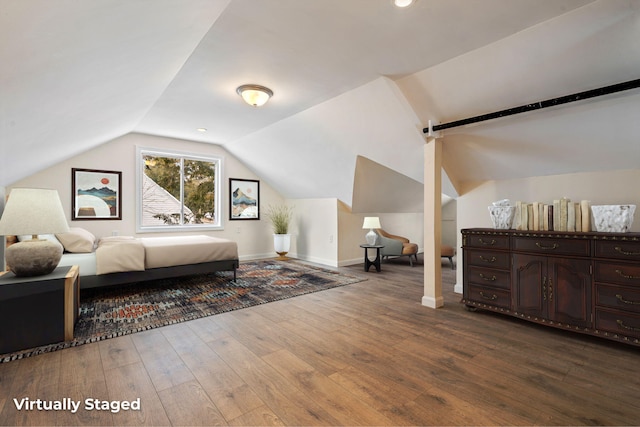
371 222
255 95
33 211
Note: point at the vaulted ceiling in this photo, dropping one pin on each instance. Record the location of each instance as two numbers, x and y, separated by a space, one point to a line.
351 79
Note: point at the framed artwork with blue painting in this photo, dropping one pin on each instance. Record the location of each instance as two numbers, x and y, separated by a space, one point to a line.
244 200
96 194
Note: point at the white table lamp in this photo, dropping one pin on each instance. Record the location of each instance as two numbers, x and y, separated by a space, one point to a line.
33 211
371 222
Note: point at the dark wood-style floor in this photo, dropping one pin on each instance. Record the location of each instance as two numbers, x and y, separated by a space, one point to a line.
363 354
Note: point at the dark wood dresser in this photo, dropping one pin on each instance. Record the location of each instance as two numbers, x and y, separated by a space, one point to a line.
583 282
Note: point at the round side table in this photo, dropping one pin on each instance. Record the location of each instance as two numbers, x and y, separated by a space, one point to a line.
377 261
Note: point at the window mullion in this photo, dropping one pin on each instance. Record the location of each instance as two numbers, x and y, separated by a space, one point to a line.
182 191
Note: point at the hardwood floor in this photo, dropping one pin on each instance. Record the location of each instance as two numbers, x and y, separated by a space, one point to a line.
363 354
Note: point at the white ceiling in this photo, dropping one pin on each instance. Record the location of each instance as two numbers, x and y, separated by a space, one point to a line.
593 47
351 78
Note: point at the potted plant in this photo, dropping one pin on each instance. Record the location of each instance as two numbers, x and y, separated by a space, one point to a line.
280 216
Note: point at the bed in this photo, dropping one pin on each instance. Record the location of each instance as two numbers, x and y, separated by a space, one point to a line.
126 259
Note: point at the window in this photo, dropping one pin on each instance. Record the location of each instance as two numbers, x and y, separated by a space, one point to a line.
177 191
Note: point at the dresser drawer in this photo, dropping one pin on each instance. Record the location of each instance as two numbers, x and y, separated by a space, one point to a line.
493 259
487 241
490 296
624 274
486 276
618 297
618 249
618 322
551 246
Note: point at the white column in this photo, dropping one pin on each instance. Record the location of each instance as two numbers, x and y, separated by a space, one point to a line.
432 223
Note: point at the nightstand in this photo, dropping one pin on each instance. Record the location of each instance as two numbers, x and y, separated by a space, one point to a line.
40 310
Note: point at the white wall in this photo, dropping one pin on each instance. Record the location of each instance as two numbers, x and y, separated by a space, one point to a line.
450 223
351 234
601 188
313 153
317 235
315 230
325 231
254 237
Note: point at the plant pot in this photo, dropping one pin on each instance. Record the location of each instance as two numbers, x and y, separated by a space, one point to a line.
282 244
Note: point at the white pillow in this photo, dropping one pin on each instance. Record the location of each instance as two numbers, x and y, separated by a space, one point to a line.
77 240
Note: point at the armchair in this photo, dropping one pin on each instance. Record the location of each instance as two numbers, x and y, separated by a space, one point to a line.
448 252
396 246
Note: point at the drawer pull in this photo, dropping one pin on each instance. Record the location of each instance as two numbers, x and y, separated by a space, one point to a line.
492 259
488 279
554 246
621 298
629 328
626 276
623 252
492 297
491 243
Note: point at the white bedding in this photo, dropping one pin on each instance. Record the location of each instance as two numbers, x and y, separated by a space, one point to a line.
182 250
158 252
86 262
118 254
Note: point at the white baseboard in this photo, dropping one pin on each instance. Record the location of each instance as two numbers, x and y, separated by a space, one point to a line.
457 288
348 262
270 255
316 260
255 257
432 302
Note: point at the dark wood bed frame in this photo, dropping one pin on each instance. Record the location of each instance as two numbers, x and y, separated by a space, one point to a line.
87 282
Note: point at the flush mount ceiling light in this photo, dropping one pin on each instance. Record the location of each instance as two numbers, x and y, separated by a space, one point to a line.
403 3
255 95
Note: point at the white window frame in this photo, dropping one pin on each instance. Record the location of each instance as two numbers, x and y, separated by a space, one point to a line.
218 161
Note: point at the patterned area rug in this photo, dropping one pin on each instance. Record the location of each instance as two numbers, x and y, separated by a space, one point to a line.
121 310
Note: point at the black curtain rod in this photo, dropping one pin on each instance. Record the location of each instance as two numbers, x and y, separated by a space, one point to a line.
633 84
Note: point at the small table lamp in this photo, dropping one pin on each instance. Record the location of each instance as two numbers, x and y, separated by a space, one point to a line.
371 222
33 211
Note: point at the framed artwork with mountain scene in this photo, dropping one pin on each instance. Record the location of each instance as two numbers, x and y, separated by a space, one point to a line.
244 200
96 194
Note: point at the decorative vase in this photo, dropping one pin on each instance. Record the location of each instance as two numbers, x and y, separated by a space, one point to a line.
613 218
371 237
282 244
502 216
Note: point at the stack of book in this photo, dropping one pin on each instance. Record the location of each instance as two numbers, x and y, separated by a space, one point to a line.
561 215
